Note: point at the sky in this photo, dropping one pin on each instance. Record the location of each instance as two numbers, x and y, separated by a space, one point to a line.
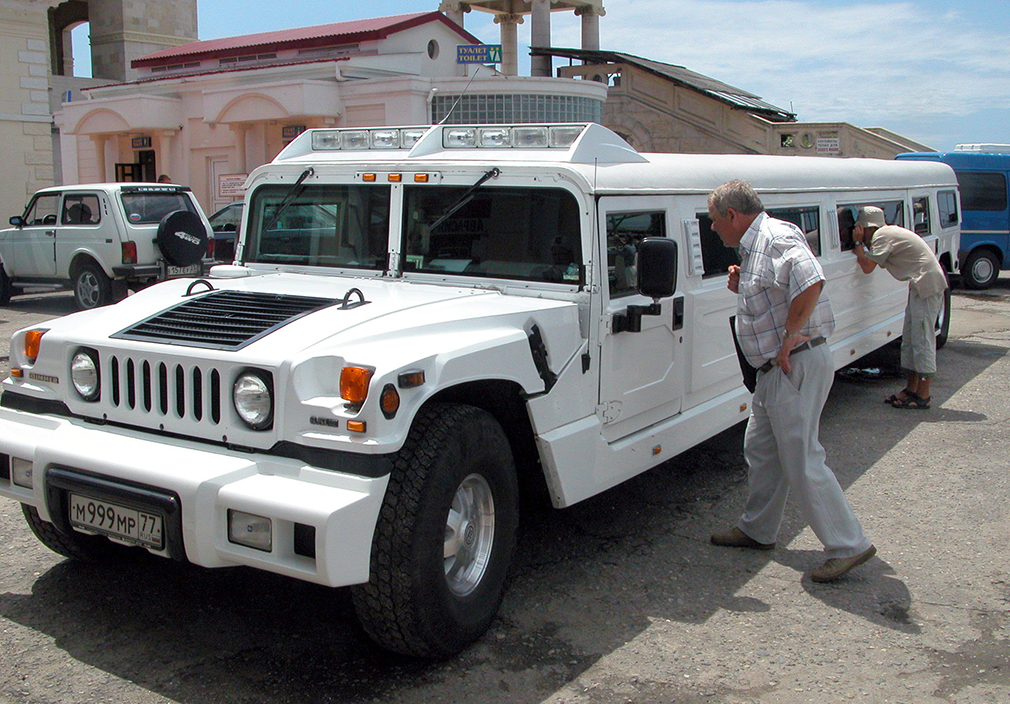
935 71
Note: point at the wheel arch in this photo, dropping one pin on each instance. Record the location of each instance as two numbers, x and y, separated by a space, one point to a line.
505 401
85 257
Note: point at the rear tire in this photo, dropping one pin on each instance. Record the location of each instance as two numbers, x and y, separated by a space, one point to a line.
92 288
444 539
980 270
76 546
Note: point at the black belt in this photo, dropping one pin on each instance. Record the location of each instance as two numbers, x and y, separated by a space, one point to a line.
809 344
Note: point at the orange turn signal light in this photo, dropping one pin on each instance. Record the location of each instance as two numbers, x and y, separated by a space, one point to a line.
389 401
368 178
33 340
394 178
354 384
420 178
356 426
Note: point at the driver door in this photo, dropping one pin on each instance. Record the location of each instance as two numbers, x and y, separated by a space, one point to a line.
33 246
641 373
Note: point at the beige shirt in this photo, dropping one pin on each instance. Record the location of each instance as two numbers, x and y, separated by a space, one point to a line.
907 258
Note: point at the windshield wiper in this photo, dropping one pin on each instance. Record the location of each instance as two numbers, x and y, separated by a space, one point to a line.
296 190
465 197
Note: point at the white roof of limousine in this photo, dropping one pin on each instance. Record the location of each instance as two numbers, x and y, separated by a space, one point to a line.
605 163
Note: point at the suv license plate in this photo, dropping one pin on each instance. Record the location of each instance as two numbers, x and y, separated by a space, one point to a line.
191 270
127 524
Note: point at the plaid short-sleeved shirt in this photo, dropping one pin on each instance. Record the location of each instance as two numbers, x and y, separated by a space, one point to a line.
776 266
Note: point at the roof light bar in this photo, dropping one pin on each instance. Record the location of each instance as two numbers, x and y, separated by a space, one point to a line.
519 136
453 137
358 139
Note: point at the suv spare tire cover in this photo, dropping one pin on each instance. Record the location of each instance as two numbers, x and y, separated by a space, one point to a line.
182 238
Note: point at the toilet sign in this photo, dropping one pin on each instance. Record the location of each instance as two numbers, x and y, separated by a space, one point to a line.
478 54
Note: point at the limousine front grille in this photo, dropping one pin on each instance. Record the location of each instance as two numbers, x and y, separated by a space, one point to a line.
226 320
163 391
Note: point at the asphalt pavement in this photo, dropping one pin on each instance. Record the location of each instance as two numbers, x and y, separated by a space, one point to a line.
618 599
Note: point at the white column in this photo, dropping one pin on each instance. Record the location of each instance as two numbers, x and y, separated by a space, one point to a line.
540 36
165 163
239 131
509 43
454 10
99 141
590 26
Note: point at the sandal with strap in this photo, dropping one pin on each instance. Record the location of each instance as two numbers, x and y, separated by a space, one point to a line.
897 398
913 402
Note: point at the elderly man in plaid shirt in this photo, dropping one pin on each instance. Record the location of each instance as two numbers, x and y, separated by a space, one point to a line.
781 324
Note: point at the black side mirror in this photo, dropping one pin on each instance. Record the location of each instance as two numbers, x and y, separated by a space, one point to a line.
657 267
17 221
657 278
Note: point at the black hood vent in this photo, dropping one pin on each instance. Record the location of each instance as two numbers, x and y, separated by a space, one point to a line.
224 320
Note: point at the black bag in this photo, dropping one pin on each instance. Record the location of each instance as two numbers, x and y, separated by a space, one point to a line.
750 374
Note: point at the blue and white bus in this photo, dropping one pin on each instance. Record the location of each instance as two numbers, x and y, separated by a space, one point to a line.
983 171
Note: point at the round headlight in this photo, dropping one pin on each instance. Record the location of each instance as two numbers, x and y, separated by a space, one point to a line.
253 398
84 374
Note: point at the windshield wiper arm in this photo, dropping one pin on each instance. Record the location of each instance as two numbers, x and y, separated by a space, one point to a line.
465 198
296 190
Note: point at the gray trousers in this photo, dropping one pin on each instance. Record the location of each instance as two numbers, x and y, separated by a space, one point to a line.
918 335
784 455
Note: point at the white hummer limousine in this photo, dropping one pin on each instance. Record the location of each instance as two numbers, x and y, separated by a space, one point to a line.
420 322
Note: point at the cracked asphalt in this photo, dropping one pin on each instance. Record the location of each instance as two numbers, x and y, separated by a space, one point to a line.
618 599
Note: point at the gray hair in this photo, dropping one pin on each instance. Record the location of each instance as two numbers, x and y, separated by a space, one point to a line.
737 195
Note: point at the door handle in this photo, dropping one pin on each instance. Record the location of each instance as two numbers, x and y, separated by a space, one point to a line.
678 313
50 233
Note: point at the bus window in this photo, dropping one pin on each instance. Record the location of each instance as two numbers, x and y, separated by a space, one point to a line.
947 202
982 191
920 216
894 214
625 232
715 256
808 219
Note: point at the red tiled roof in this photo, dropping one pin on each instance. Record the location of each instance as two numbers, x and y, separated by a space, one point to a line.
324 35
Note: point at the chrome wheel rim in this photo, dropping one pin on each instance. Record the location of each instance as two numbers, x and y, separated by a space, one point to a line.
87 289
469 535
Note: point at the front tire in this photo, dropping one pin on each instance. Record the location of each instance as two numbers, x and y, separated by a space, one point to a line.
444 540
92 288
6 287
980 270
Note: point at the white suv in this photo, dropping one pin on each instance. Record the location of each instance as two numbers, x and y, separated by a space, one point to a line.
103 239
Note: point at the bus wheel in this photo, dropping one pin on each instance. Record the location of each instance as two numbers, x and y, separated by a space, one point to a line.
444 539
980 269
943 320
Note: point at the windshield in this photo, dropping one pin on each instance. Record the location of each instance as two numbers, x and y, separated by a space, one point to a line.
509 233
147 208
339 226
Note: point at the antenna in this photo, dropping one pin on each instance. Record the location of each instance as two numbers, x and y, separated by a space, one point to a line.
460 97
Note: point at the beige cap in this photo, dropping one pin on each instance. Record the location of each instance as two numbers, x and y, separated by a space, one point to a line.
870 216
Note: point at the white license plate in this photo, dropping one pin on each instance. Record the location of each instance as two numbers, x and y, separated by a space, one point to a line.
121 522
191 270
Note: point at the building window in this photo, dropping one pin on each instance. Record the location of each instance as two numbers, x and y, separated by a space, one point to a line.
432 50
509 109
787 141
